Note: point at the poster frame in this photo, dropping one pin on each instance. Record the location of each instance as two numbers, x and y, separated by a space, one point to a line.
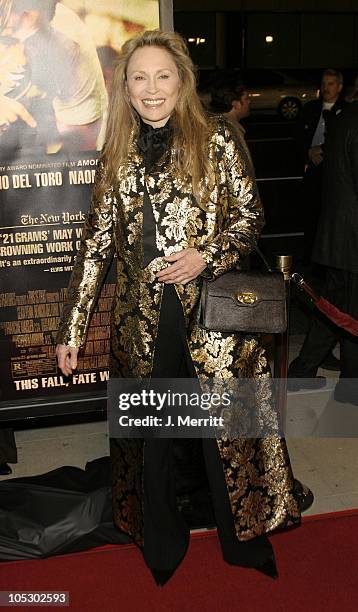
166 14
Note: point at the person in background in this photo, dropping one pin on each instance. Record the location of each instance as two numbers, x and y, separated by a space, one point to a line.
310 137
336 248
234 102
314 124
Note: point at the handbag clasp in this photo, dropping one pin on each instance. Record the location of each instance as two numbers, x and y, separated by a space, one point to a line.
246 297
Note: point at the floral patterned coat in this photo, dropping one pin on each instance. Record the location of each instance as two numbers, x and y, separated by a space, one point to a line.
257 470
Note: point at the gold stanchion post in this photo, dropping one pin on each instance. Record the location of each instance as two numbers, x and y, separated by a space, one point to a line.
284 265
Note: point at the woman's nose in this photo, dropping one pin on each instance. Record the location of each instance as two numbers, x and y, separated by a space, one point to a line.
152 85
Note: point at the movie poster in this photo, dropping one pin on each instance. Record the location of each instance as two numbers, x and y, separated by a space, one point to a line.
56 69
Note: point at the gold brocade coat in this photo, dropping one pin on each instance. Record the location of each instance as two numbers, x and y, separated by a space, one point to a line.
257 471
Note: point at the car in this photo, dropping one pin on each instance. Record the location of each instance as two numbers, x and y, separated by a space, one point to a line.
275 92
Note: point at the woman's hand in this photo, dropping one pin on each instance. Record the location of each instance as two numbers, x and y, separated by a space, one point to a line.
66 358
184 267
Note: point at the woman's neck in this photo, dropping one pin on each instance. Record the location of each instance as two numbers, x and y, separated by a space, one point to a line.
155 126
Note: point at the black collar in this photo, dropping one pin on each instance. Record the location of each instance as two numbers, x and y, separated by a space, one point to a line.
153 142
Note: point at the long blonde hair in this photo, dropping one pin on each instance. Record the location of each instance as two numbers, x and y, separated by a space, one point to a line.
190 133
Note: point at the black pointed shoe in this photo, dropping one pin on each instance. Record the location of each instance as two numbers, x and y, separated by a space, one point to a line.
268 568
161 576
5 469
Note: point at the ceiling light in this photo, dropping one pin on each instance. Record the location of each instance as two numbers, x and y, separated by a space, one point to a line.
197 40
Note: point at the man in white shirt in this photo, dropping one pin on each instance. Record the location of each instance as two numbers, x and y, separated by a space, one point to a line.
311 129
315 121
331 87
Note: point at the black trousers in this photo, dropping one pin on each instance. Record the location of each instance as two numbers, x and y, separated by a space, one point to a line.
341 289
166 535
8 451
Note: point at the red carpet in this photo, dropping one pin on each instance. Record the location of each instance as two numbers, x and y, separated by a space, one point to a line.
317 564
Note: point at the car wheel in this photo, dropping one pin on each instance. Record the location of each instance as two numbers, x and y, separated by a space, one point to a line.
289 108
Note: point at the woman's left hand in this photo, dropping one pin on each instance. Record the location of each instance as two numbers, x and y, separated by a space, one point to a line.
184 267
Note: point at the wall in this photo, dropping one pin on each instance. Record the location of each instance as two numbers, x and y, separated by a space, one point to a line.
301 39
266 5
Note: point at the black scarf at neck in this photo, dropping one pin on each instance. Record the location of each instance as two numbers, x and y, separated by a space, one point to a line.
153 142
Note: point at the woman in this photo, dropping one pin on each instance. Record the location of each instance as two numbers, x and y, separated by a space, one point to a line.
174 200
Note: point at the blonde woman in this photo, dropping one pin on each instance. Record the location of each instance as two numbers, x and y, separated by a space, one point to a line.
174 198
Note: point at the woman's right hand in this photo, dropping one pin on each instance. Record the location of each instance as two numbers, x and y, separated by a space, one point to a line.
66 358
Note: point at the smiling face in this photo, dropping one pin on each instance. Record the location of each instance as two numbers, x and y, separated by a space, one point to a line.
153 84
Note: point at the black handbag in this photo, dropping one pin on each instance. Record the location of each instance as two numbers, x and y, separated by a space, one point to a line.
244 301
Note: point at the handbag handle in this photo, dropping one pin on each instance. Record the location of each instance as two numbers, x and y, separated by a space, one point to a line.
260 253
254 247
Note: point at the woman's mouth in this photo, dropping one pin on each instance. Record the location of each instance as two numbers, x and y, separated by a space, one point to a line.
153 103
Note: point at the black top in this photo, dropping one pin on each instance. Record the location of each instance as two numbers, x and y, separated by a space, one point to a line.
337 236
307 124
152 144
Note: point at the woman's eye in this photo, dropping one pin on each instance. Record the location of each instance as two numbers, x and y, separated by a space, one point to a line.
138 78
164 76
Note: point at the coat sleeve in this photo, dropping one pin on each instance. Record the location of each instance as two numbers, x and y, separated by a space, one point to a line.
92 261
353 154
242 216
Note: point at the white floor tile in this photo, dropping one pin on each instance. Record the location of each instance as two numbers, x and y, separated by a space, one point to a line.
332 503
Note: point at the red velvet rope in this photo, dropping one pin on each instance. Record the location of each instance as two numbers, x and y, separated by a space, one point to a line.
342 319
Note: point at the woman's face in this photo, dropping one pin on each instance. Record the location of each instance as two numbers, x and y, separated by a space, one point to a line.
153 84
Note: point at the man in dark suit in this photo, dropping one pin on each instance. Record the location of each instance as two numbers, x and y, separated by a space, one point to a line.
336 248
311 131
336 245
315 123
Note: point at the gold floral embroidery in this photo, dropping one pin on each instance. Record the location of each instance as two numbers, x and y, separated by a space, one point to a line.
121 279
257 471
181 219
